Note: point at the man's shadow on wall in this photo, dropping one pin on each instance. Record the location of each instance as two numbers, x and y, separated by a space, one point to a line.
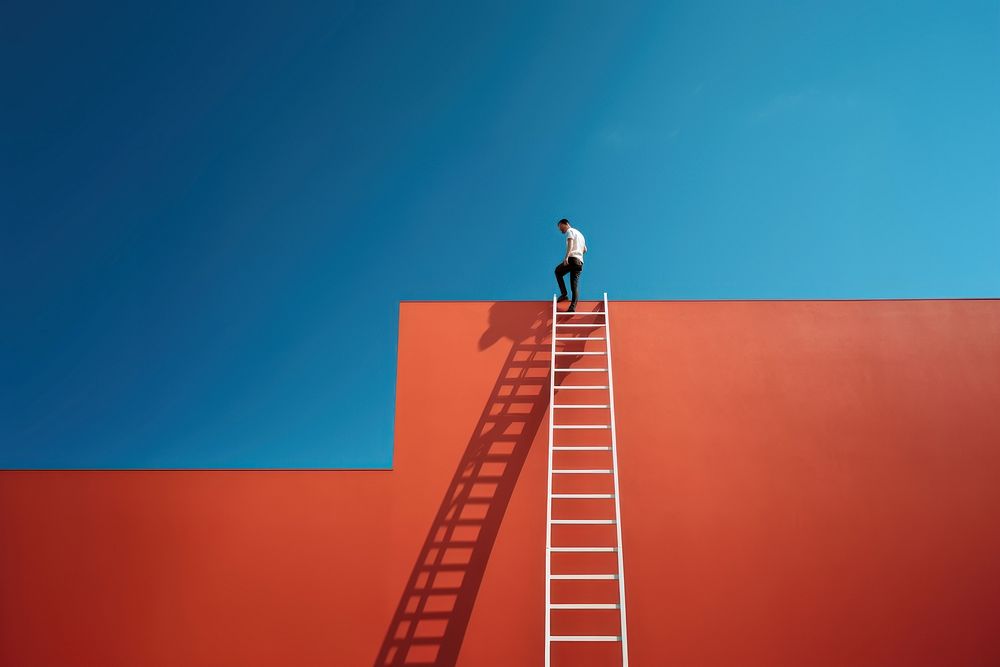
434 610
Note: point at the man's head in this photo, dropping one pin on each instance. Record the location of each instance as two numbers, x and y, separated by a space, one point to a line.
563 225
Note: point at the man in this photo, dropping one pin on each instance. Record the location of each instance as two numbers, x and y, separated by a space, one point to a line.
572 262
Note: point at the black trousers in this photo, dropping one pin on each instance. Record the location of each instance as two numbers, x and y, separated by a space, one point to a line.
574 268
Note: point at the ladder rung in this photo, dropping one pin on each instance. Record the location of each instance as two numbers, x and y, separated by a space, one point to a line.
592 324
581 522
579 338
580 312
578 353
584 605
581 577
588 448
581 386
578 406
581 370
585 638
580 426
583 495
584 550
579 471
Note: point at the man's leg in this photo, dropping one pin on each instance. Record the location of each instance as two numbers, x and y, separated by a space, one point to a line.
574 280
561 270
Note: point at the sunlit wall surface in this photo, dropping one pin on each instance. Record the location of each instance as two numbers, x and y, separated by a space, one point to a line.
803 483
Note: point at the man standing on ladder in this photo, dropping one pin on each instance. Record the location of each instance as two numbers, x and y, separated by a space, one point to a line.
572 263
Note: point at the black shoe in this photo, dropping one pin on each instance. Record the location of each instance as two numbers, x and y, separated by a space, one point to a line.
572 308
562 298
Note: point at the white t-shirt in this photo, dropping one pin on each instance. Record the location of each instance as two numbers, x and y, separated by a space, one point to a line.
578 244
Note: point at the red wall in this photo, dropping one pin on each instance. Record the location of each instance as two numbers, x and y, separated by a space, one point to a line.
803 483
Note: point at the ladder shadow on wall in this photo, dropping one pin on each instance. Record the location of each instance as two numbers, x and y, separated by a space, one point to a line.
434 611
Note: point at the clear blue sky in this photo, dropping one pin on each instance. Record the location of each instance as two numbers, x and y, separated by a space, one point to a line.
211 212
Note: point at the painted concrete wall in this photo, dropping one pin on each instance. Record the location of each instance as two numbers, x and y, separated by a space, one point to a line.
803 483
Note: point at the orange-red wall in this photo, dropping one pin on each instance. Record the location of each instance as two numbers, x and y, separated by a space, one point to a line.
803 483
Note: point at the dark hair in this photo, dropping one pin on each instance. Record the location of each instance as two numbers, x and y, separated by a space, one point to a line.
564 221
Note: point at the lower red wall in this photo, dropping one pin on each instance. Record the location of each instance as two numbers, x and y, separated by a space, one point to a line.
803 483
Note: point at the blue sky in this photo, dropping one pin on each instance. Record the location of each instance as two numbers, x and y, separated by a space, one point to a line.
211 212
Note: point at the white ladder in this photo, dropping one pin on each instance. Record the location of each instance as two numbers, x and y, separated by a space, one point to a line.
565 326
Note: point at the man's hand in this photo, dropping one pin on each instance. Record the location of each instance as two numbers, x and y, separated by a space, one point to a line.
565 261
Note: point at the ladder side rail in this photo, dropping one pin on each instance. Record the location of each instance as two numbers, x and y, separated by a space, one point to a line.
614 466
548 496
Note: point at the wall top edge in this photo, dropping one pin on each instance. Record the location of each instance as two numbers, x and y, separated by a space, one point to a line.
4 471
829 300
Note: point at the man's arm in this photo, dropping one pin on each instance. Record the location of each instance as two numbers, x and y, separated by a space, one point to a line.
569 246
